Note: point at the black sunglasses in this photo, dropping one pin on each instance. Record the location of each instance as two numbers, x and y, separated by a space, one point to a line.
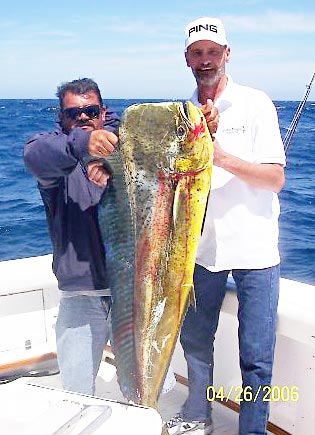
74 112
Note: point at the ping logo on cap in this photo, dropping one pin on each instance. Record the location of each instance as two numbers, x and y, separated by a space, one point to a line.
205 28
199 27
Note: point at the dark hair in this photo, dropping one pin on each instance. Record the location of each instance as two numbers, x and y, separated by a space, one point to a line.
78 87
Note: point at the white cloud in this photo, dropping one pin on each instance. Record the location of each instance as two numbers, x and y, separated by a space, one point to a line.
270 22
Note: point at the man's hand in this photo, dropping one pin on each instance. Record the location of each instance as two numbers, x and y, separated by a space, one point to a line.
218 154
102 143
212 116
97 174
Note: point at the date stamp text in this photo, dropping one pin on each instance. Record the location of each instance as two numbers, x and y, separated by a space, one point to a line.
264 393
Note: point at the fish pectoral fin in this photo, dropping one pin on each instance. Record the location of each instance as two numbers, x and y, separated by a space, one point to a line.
191 296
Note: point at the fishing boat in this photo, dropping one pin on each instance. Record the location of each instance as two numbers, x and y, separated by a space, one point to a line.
34 399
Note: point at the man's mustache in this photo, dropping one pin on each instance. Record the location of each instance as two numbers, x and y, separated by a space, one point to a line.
83 123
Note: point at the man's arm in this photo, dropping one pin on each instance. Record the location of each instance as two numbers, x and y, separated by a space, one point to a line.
265 175
268 176
49 156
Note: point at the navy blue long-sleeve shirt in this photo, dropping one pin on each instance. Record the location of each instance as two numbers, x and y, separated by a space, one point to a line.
57 161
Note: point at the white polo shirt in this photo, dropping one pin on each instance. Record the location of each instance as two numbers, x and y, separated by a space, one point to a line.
241 225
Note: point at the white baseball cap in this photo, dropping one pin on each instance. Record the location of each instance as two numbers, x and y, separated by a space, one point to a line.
206 28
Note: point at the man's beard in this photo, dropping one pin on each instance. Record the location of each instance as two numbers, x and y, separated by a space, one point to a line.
205 80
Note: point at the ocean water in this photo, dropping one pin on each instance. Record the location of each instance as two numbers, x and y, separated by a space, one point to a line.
23 231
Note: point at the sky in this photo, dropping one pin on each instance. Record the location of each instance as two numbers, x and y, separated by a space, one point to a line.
134 49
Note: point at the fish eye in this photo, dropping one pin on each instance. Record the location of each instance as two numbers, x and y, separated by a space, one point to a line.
181 132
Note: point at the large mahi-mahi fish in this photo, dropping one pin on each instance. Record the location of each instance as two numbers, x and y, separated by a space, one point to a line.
151 220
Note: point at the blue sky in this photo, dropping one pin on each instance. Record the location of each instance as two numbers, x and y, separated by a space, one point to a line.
134 49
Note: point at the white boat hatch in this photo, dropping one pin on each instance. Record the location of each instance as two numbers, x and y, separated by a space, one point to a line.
38 410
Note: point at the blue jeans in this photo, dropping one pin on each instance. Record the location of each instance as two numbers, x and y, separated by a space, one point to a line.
82 331
257 292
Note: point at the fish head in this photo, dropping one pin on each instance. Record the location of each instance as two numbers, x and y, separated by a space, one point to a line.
170 136
196 145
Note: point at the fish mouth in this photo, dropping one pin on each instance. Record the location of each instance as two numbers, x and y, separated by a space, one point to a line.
191 116
185 110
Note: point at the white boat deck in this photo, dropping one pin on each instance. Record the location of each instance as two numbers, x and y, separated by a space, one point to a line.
225 419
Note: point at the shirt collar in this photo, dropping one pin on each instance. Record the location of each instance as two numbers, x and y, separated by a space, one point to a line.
224 98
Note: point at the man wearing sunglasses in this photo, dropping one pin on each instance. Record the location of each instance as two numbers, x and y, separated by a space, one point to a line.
70 167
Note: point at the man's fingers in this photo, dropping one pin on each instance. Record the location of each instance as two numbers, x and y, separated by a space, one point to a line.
211 115
207 108
102 143
97 174
112 138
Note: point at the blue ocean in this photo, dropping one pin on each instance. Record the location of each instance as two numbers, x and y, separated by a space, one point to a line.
23 231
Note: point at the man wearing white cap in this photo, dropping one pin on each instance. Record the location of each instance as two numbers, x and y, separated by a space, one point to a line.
240 235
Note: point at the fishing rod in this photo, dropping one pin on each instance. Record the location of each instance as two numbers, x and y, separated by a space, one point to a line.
295 120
